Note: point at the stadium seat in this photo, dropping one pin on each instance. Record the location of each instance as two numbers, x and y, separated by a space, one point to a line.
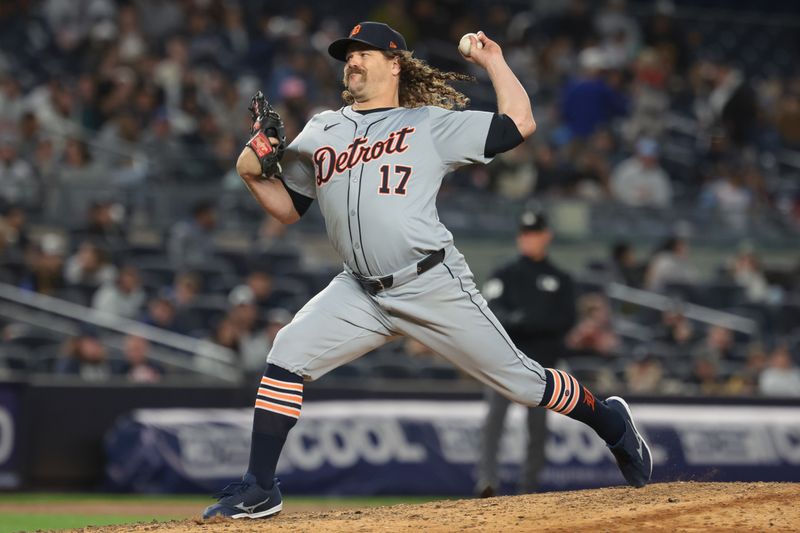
720 295
276 260
205 311
438 370
31 337
788 319
289 293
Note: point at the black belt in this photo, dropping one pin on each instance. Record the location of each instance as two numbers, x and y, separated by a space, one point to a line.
376 285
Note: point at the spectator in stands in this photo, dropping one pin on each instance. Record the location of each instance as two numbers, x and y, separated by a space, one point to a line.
589 102
138 367
85 356
260 284
675 330
734 100
550 173
243 314
788 120
650 97
14 239
624 267
513 174
644 374
709 378
782 376
755 364
12 98
190 241
594 332
132 43
718 345
77 167
30 132
89 267
745 270
705 376
226 334
46 262
640 181
727 194
104 226
184 294
45 164
271 233
128 164
255 348
663 33
589 179
163 148
18 182
124 297
619 32
574 20
161 314
670 264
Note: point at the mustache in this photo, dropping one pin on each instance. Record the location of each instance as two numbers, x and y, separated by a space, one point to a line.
353 70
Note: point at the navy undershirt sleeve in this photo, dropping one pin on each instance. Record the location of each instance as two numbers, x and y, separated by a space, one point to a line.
503 136
300 201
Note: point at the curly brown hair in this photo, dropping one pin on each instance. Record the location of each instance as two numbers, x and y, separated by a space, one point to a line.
422 84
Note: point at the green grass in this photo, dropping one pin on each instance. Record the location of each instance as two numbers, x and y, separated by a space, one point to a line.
49 497
56 497
11 522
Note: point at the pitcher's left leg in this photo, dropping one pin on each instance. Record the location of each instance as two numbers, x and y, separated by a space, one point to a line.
450 316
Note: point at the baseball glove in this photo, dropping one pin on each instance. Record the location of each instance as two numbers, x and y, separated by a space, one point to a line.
266 123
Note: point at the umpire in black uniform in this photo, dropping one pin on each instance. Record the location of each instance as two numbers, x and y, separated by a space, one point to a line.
535 302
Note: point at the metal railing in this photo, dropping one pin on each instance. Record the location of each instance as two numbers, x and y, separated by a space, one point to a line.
60 316
699 313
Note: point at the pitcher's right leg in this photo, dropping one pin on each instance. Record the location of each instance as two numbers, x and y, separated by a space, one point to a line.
338 325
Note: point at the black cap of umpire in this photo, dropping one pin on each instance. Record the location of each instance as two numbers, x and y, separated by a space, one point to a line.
533 219
375 34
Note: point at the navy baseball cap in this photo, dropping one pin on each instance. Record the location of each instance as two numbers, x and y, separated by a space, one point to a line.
532 220
375 34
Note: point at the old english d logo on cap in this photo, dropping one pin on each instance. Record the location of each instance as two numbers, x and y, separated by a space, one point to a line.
376 35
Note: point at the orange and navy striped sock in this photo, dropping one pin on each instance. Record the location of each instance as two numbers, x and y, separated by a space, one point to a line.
565 395
277 408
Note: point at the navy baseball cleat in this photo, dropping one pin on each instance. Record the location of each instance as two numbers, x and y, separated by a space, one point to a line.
631 452
246 499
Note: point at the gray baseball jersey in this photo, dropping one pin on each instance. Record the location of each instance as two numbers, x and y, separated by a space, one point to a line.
376 177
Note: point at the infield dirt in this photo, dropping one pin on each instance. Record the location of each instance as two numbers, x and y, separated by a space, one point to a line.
682 506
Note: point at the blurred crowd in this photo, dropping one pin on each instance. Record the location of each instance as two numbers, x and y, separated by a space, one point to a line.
634 104
638 104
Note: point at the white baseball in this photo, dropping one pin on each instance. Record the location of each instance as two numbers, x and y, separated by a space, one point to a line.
464 45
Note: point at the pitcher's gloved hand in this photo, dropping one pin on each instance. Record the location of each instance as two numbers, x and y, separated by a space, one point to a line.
268 139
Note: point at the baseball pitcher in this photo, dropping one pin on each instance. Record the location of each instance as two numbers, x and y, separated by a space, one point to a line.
375 167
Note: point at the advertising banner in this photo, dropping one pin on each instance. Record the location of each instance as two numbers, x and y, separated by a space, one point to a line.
10 395
408 447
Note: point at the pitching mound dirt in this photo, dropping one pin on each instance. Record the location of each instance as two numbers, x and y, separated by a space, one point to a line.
660 507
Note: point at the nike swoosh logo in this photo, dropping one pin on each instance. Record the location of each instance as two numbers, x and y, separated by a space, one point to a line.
329 126
250 508
639 447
